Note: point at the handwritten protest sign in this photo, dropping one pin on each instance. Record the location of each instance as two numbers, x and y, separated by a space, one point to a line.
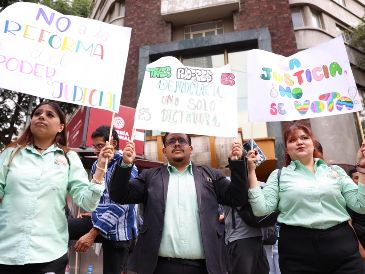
312 83
64 58
195 100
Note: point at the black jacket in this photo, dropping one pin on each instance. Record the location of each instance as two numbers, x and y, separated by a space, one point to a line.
150 189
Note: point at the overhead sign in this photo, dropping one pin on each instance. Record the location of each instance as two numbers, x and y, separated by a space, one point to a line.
64 58
123 125
176 98
312 83
75 128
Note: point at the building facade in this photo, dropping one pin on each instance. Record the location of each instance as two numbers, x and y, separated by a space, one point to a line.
317 21
211 33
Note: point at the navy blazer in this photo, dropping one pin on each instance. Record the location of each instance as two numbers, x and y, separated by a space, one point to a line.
150 189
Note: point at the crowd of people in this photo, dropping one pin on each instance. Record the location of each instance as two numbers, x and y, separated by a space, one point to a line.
189 219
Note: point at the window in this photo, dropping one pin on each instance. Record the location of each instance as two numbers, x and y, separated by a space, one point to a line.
317 19
121 9
212 61
346 35
203 29
116 13
341 2
297 17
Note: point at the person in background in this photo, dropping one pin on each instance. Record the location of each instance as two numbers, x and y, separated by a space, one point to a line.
272 254
358 220
37 172
312 200
354 174
245 250
115 223
181 232
271 250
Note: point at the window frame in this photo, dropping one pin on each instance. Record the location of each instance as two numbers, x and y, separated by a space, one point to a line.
297 12
316 18
341 2
189 33
344 32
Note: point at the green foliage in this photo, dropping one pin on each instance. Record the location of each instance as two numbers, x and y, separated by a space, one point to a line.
5 3
15 106
357 40
60 6
12 114
358 37
80 8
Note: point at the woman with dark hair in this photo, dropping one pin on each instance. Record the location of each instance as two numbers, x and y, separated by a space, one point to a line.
37 171
311 196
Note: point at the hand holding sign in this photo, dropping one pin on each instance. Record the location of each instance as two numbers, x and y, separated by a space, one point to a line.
236 151
129 153
252 146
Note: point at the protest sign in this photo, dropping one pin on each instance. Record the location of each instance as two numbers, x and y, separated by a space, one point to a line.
312 83
64 58
176 98
122 124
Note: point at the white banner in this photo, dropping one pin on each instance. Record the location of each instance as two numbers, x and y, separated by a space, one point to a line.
175 98
64 58
312 83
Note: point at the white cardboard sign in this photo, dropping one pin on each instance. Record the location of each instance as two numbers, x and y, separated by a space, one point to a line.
64 58
176 98
312 83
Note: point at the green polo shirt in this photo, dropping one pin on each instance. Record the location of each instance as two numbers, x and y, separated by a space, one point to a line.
309 200
33 188
181 236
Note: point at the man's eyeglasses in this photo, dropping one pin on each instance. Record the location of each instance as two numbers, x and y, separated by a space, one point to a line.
180 140
99 146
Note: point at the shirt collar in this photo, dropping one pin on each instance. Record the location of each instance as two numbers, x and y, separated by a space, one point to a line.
51 148
297 164
172 169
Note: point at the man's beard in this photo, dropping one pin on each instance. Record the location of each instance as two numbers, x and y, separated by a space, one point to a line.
178 159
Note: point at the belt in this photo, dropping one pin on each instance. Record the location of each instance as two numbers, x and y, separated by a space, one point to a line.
198 262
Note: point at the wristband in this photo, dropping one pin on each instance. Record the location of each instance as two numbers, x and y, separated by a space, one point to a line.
122 164
97 182
98 167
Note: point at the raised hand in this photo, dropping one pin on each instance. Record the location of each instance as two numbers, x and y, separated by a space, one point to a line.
251 160
129 153
360 156
236 151
106 153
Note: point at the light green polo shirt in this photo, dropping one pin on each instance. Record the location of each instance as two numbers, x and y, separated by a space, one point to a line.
33 225
309 200
181 235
